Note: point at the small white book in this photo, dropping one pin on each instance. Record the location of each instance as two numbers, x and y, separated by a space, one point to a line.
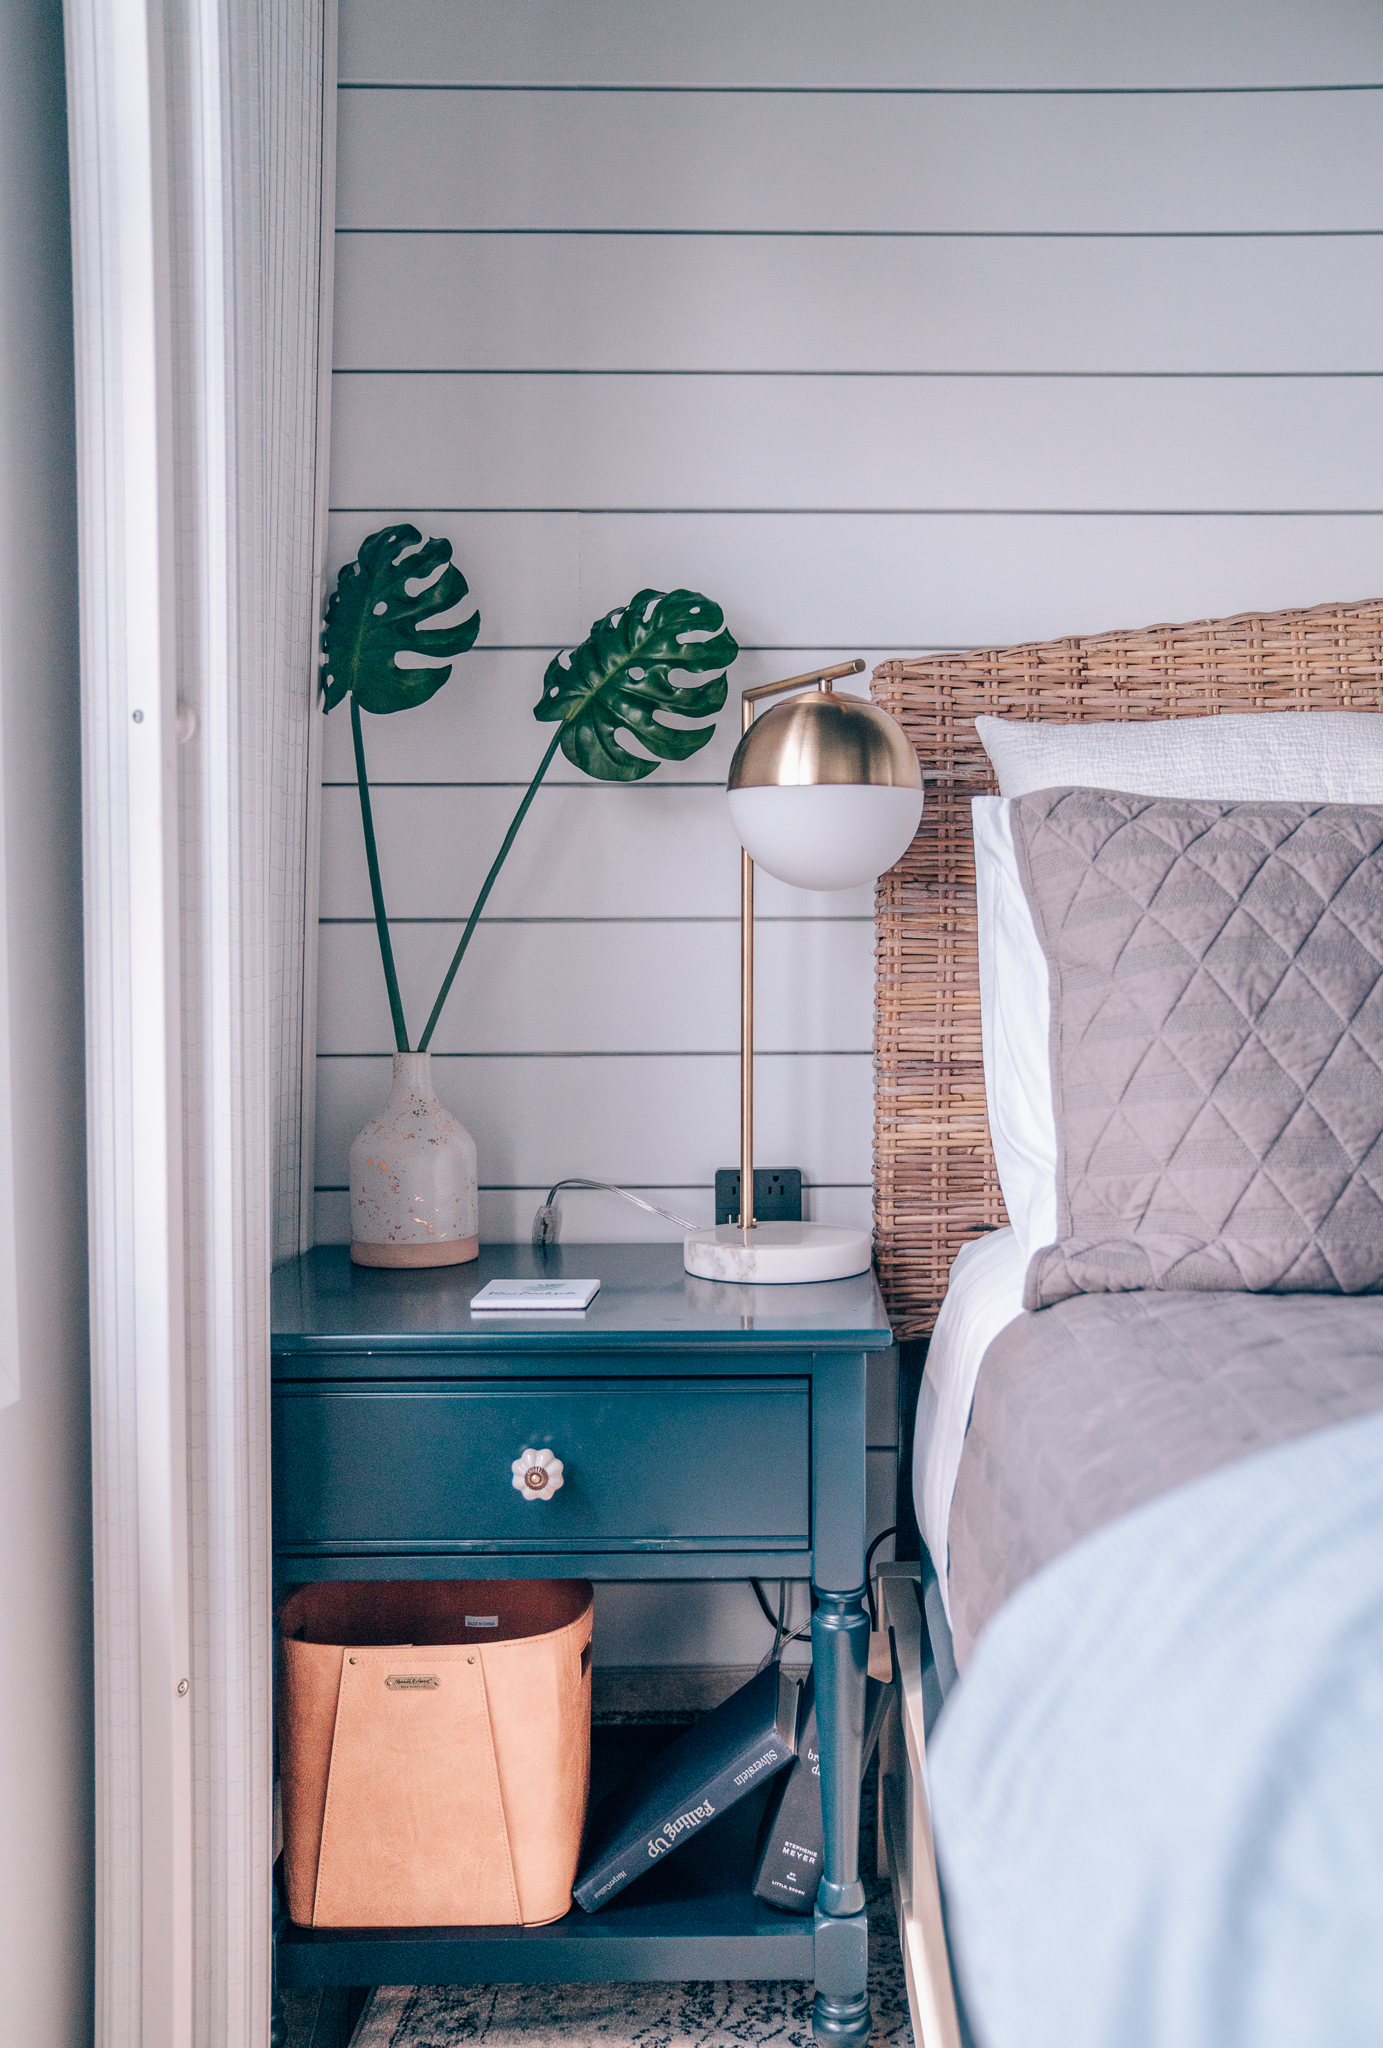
526 1296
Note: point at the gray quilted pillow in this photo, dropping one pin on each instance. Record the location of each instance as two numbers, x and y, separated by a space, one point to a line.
1217 1041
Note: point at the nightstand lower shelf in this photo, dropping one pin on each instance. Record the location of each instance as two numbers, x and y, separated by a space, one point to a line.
693 1918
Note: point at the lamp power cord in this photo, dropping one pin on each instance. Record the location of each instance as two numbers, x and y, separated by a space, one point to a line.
778 1621
547 1223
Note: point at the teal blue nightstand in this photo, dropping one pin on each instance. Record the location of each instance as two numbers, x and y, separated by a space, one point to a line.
706 1432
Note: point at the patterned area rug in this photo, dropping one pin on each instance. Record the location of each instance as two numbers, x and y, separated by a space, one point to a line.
633 2015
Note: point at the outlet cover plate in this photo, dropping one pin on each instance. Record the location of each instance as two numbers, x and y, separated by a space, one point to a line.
777 1194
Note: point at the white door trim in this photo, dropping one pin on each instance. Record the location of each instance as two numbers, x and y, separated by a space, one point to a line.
129 801
200 251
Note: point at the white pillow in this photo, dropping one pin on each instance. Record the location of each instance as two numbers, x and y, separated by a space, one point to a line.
1326 757
1333 757
1015 1021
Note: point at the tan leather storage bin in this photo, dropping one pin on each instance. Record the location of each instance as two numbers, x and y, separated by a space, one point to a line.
434 1751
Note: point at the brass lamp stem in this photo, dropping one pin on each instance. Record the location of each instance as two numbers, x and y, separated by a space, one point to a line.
746 1038
823 678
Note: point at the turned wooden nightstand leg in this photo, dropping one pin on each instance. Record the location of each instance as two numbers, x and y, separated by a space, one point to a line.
840 1654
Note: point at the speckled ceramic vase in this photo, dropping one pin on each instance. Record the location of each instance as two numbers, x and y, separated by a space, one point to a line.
413 1188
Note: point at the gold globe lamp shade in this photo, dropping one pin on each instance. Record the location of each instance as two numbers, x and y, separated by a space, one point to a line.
825 793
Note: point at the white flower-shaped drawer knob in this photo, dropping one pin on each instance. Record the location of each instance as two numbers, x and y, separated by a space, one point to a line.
537 1474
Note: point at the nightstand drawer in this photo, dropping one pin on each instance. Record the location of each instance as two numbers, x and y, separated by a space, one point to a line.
646 1464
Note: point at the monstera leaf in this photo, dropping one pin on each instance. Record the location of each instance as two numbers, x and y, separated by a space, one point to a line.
618 678
371 618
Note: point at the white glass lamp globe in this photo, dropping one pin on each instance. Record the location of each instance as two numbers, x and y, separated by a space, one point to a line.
829 835
825 791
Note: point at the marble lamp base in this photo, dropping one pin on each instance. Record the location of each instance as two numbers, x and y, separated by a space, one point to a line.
777 1254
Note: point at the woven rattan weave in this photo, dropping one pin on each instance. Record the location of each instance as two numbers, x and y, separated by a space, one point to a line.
935 1186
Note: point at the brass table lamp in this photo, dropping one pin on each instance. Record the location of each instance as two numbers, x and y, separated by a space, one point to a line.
825 793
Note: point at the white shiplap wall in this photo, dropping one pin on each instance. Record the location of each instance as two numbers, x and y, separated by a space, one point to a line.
893 328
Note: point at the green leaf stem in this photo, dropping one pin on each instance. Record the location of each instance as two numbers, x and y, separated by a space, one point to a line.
619 678
372 618
386 947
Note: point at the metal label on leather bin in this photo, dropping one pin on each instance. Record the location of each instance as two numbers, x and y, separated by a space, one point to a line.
412 1681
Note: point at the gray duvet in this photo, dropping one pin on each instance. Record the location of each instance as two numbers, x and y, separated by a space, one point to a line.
1100 1403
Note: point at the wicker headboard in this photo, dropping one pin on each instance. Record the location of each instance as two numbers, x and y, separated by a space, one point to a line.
934 1181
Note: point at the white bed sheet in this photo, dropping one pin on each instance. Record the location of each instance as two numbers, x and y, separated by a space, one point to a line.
985 1292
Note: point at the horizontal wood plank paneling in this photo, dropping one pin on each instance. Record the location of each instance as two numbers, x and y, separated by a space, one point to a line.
1145 234
881 1480
881 1399
604 988
592 1217
602 850
662 1119
731 303
480 725
854 164
713 1623
749 443
898 581
889 43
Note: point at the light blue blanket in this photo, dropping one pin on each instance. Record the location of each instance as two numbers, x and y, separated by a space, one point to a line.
1158 1789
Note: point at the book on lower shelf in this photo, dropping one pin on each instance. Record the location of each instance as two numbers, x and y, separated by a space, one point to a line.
792 1838
727 1754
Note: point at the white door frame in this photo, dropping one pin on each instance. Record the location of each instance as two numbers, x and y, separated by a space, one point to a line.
199 175
134 1069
